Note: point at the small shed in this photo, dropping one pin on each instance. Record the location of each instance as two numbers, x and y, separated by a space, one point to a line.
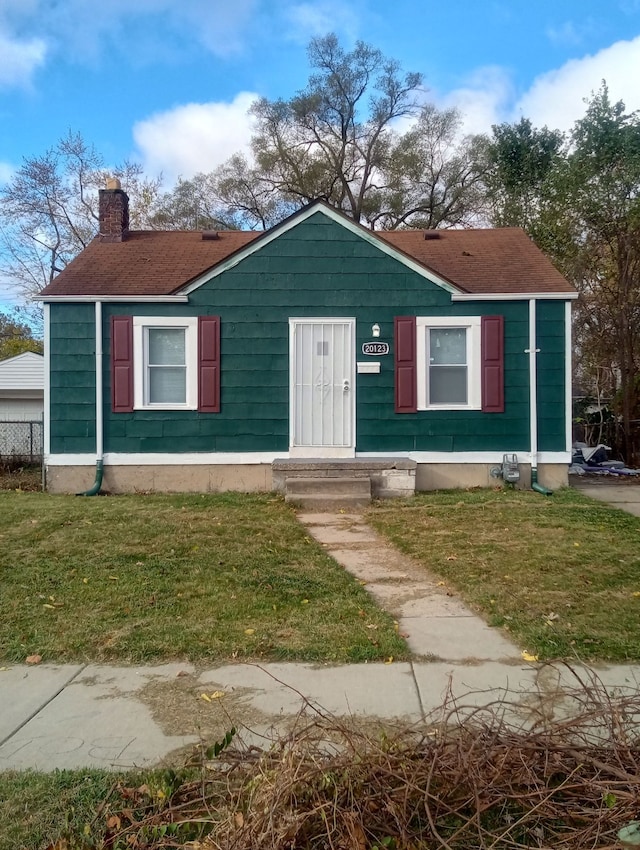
22 387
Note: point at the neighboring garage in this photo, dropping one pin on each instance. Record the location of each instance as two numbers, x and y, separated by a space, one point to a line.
21 405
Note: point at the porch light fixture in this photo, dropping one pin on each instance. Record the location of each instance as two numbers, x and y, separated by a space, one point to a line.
375 330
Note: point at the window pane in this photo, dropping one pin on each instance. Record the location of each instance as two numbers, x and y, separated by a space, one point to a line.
166 346
448 385
167 385
448 346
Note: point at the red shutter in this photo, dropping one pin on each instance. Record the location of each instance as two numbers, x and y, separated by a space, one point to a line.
405 357
122 364
209 364
493 364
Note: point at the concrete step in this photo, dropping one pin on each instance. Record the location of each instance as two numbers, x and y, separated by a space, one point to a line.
327 502
307 486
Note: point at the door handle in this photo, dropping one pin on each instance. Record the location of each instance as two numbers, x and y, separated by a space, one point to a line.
345 385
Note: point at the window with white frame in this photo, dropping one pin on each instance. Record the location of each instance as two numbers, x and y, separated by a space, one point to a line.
449 362
165 357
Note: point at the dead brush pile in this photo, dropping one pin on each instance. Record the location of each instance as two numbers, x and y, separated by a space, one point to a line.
467 778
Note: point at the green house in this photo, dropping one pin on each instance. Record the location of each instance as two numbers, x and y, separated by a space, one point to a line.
196 361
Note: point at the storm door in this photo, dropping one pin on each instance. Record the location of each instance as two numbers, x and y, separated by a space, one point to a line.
322 387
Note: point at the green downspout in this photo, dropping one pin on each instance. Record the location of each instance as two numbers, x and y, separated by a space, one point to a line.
97 484
539 488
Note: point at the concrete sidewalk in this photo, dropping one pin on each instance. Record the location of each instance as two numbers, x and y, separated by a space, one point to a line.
118 717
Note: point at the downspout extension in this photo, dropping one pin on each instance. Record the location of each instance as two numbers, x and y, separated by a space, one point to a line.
97 484
539 488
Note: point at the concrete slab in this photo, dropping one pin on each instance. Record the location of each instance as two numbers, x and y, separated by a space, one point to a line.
96 721
367 565
626 497
457 639
340 535
366 690
26 690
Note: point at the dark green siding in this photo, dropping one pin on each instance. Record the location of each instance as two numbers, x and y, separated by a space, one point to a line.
318 268
73 378
550 330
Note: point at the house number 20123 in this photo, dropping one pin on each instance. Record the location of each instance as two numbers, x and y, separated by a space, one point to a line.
375 348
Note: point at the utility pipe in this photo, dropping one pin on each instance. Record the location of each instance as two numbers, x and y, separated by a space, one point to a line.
95 488
532 351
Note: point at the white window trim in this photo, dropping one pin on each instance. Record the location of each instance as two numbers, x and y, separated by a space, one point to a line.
190 325
474 359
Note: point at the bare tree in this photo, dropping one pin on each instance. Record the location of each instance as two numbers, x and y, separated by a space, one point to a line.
48 210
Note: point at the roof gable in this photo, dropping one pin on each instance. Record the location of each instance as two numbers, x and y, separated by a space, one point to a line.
320 208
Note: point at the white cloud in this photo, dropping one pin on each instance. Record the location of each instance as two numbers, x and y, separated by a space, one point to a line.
557 97
140 28
310 19
194 137
20 59
482 100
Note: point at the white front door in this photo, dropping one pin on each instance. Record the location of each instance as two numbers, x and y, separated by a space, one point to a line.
322 387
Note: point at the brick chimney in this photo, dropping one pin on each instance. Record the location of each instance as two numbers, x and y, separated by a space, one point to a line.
113 212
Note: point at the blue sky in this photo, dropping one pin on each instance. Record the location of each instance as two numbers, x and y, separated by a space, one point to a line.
168 82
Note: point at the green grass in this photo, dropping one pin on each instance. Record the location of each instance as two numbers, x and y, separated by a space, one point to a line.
38 809
562 574
200 578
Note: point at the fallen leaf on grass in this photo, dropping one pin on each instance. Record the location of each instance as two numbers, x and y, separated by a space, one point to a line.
205 697
527 656
217 694
33 659
85 581
114 822
238 820
452 557
249 631
113 578
441 584
636 593
305 602
389 660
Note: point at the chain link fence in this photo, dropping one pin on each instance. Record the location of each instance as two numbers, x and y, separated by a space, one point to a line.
21 441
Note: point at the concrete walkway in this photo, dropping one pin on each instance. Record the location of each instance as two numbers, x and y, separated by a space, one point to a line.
434 622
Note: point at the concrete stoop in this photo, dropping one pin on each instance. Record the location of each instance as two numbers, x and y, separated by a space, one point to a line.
321 484
328 494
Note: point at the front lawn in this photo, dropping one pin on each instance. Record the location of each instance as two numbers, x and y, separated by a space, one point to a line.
562 574
201 578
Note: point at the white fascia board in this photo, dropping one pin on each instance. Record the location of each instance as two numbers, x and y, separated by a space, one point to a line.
517 296
243 458
277 231
114 299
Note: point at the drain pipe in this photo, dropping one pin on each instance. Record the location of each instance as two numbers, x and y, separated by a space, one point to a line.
532 351
97 484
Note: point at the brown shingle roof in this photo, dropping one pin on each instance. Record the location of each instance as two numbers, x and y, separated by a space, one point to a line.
162 262
503 260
